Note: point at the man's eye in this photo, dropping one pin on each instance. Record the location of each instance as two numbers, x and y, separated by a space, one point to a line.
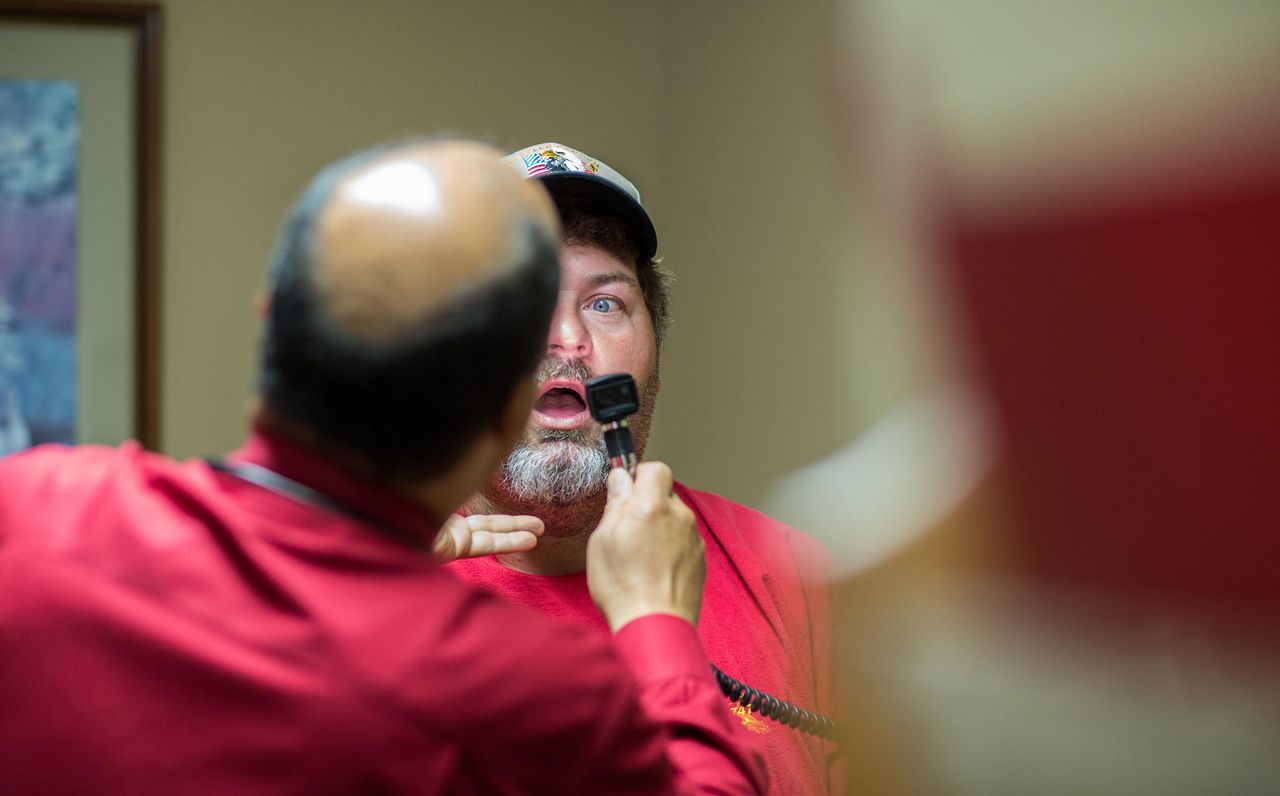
605 305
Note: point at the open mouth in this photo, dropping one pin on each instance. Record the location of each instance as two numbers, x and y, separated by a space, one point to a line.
561 404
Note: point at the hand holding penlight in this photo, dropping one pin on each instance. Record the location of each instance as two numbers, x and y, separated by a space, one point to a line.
612 399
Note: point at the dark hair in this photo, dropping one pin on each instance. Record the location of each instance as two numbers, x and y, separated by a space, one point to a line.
408 407
584 222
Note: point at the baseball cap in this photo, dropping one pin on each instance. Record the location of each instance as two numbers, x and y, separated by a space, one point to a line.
566 171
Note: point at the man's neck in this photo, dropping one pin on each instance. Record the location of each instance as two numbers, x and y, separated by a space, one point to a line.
562 549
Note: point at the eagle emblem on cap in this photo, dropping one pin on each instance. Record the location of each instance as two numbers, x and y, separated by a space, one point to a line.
556 160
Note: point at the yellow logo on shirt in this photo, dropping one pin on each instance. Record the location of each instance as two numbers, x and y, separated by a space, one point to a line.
749 720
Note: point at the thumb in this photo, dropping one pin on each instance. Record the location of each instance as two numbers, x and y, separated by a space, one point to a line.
619 484
619 489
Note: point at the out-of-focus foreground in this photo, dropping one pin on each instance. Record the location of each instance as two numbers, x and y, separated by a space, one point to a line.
1058 562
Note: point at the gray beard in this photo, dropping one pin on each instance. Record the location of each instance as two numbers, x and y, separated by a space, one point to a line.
556 470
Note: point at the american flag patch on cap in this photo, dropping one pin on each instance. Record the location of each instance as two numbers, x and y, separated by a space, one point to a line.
534 164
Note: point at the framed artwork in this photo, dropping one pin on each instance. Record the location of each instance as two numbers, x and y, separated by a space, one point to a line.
79 222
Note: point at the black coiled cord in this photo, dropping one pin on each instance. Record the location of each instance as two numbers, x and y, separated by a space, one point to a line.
776 709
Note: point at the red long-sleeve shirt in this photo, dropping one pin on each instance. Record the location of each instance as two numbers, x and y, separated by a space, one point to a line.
166 628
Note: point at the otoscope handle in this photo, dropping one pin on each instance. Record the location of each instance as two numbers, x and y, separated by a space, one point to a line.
617 442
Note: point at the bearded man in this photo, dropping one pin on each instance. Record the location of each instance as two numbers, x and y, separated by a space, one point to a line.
763 617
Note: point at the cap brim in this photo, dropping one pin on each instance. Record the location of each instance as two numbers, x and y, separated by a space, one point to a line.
599 191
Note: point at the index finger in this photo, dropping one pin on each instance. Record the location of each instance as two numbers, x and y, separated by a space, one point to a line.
653 480
505 523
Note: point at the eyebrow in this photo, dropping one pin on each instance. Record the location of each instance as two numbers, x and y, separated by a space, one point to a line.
613 276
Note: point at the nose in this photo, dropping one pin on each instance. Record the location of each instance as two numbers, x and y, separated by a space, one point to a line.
569 336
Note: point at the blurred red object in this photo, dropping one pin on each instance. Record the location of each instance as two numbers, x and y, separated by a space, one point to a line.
1131 348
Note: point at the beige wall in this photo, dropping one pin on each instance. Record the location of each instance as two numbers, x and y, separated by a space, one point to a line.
752 377
260 93
716 110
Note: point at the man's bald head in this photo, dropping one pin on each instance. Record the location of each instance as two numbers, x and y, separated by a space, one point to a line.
410 231
411 287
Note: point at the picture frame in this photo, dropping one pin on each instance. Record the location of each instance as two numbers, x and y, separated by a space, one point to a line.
110 53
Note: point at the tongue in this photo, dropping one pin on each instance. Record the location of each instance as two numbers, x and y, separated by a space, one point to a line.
560 403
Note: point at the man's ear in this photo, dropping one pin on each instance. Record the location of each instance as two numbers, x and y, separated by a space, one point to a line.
262 305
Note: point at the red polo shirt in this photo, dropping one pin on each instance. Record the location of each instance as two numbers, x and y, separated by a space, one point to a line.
165 628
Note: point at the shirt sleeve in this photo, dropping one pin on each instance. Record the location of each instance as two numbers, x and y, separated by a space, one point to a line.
24 476
677 691
7 477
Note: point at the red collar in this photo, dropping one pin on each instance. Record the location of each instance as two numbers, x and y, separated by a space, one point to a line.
376 501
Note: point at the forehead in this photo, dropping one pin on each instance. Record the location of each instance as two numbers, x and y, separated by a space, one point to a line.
585 263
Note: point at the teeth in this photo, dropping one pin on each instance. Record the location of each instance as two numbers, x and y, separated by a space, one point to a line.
561 391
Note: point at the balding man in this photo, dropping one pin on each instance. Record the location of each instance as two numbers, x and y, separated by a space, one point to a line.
275 621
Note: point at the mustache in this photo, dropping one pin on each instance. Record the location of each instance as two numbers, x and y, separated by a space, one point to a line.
568 369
